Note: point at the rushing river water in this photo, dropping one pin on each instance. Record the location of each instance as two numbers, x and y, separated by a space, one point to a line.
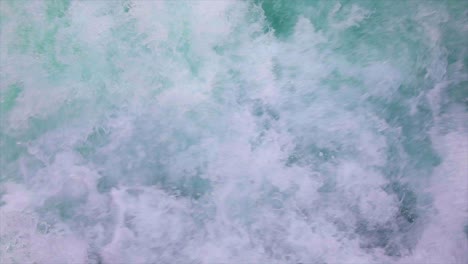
308 131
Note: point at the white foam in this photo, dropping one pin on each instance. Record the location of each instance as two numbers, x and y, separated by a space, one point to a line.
181 96
444 238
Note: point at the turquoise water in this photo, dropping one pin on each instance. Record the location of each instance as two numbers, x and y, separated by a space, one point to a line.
234 131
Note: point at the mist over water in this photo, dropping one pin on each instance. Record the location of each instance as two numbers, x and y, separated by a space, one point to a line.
234 131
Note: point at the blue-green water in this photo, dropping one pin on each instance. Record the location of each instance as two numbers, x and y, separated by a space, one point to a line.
234 131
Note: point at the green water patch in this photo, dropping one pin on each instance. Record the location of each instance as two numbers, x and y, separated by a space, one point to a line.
146 160
459 93
40 39
99 137
280 14
272 197
65 208
408 200
465 230
56 8
9 96
397 237
456 45
264 112
414 128
127 6
106 183
11 149
393 242
66 204
375 236
328 186
229 87
377 38
316 155
192 186
25 34
38 125
2 193
131 42
185 48
336 80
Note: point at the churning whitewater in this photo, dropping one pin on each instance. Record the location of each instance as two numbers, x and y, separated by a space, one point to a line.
255 131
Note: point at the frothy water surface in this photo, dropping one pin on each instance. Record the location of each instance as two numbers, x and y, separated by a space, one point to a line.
234 131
